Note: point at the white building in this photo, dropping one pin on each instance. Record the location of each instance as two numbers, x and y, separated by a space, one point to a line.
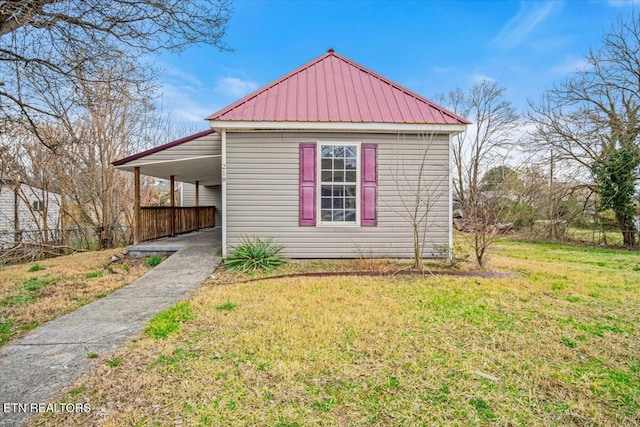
28 214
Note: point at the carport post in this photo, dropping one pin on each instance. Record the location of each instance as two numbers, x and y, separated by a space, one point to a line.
197 205
137 232
172 196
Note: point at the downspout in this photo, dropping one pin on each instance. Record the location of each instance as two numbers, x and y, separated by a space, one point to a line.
223 141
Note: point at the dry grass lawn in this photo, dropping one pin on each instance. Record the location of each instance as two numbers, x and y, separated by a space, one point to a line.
33 293
558 346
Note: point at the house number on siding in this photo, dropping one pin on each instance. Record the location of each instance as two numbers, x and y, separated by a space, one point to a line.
224 172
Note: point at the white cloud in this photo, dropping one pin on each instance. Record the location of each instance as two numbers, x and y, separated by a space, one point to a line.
185 79
570 64
479 77
180 106
235 87
524 22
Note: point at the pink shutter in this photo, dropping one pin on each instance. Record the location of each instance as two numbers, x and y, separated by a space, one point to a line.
369 185
307 214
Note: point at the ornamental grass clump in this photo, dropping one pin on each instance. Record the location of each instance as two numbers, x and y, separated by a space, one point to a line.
253 255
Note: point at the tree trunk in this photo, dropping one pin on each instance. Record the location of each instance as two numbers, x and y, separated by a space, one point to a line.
627 228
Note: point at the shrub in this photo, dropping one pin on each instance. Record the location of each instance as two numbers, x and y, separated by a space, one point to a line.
154 261
254 255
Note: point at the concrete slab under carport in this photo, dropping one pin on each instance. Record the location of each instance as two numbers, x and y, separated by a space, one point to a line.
168 245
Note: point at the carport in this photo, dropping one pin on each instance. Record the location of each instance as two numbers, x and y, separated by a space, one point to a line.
195 160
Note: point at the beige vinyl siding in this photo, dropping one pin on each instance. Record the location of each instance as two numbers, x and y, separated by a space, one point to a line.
209 196
208 145
262 194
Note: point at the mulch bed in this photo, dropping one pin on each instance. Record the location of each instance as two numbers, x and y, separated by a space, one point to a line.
482 274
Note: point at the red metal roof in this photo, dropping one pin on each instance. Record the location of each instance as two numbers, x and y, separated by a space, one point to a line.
332 88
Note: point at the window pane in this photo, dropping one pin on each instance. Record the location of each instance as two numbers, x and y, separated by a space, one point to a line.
350 215
326 191
338 164
350 190
338 216
350 202
338 203
326 176
326 150
350 151
326 163
326 215
326 203
350 163
338 190
350 176
338 176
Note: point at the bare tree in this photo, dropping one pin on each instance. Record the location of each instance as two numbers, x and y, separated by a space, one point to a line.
591 121
110 119
421 187
476 150
45 43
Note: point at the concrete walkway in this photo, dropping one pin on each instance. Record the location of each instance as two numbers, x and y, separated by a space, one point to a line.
35 368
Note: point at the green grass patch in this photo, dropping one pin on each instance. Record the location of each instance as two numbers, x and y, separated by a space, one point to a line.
153 261
6 329
74 392
483 408
597 329
115 362
178 355
29 326
94 274
27 292
92 355
35 284
125 267
568 342
167 322
226 306
324 405
36 267
18 300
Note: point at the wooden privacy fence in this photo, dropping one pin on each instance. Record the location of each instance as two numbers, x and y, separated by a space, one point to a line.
163 221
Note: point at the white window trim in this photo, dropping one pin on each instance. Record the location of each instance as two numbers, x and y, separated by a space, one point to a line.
319 222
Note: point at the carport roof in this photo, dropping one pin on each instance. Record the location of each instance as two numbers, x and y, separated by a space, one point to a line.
190 159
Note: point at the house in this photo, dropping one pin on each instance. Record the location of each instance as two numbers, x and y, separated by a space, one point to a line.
27 214
325 160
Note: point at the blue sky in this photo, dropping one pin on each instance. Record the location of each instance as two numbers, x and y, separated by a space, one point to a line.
430 47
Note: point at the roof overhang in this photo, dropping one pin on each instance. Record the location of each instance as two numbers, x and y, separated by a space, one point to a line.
204 169
231 125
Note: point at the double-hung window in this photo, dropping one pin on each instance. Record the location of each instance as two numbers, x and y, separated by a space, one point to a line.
339 179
